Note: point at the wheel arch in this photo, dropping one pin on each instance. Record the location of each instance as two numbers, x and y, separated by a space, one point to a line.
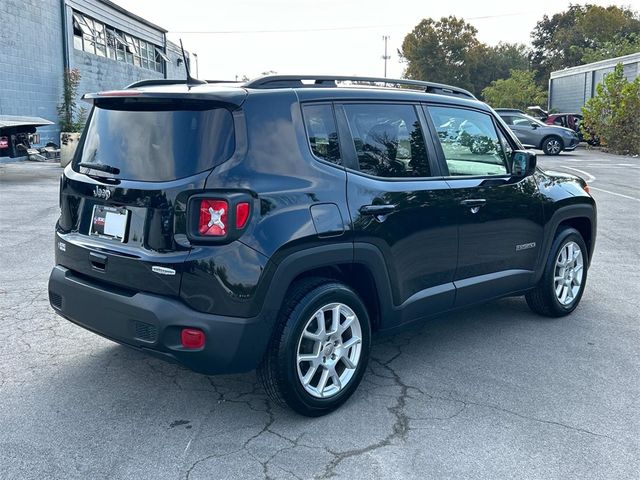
359 266
551 135
582 217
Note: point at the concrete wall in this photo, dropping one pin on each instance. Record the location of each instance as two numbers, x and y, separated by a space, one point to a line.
32 63
570 89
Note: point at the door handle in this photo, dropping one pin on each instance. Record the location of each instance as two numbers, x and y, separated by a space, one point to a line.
473 202
98 261
376 210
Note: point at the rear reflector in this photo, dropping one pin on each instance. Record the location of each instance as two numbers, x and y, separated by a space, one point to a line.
213 218
242 214
192 338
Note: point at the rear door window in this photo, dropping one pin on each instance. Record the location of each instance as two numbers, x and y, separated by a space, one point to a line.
157 141
322 132
388 140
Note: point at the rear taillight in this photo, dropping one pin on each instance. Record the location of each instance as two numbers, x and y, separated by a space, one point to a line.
242 214
218 217
213 218
585 187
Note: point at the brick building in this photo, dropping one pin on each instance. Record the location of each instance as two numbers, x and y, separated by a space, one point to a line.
110 46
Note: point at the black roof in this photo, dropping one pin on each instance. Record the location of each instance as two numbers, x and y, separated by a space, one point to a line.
312 82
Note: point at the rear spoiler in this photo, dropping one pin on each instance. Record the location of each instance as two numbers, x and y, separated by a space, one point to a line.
232 97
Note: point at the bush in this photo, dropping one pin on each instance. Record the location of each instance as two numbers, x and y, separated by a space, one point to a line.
518 91
613 114
71 118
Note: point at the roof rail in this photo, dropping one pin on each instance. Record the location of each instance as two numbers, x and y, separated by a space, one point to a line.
157 81
168 81
296 81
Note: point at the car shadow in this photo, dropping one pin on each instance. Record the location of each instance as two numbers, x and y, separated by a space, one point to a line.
130 370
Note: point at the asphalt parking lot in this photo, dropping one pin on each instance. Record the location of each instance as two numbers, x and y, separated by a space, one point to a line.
494 392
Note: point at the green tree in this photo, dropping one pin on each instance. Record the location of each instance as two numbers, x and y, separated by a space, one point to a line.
71 118
616 48
448 51
613 114
520 90
440 51
562 40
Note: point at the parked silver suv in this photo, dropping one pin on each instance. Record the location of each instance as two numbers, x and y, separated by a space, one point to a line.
533 133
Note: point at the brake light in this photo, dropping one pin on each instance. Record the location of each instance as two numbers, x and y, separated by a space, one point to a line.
586 188
192 338
242 214
4 142
213 218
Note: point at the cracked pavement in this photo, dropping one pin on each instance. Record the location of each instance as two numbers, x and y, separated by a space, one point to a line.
493 392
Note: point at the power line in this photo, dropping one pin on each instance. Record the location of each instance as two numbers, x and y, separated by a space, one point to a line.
322 29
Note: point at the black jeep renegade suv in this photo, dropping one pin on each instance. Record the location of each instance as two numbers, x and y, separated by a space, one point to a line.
278 224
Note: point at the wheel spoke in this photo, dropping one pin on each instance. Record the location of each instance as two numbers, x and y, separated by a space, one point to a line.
322 383
569 295
347 362
347 323
335 378
335 319
321 326
309 375
310 357
317 337
350 343
559 288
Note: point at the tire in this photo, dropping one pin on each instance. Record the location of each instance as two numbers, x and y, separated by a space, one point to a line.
552 145
544 299
281 372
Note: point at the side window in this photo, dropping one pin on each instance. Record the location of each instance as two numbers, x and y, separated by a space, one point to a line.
507 119
522 121
322 132
388 140
469 141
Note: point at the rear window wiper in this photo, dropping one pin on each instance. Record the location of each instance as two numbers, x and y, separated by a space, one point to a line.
101 167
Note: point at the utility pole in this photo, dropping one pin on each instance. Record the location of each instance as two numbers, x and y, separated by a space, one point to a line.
385 57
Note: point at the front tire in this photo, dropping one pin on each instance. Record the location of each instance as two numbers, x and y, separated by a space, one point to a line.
320 348
552 146
564 278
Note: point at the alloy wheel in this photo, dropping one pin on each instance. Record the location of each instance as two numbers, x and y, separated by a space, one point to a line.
329 350
568 273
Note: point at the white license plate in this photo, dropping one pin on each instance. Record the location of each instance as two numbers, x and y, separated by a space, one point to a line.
109 222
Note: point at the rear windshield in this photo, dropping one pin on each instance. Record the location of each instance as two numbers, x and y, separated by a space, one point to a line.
156 141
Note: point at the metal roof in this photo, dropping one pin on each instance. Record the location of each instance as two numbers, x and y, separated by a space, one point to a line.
19 121
589 67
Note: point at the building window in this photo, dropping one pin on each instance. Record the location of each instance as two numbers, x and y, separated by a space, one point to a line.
95 37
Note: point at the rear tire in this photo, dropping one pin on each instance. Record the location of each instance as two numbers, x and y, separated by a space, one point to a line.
560 289
319 349
552 145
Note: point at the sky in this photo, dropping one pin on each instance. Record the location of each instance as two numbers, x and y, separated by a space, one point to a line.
341 37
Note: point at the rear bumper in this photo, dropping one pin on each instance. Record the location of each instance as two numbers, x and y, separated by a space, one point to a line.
571 145
153 323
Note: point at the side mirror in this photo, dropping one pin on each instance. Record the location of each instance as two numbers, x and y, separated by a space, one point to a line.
523 163
534 126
